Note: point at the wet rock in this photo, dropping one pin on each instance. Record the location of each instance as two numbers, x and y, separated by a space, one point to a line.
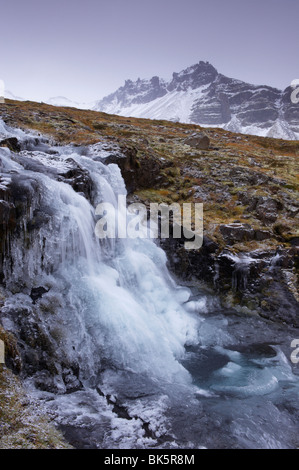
7 217
71 381
263 281
17 198
239 270
38 219
37 293
78 178
188 264
45 381
22 191
256 350
12 143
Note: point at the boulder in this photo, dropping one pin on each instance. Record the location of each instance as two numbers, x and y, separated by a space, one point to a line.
199 141
267 209
261 235
237 232
12 143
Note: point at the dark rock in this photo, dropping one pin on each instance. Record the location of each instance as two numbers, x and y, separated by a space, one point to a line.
257 281
127 162
38 219
71 381
240 176
45 381
237 232
12 143
138 170
188 264
267 209
262 235
40 353
294 241
78 178
18 196
37 293
7 217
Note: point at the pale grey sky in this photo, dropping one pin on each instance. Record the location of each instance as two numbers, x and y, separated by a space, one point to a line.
85 49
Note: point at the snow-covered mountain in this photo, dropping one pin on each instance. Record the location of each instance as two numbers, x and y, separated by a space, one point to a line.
201 95
63 101
54 101
10 96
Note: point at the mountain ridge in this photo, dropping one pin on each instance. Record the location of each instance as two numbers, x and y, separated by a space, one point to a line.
201 95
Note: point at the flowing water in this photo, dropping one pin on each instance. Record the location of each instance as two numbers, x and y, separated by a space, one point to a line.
157 364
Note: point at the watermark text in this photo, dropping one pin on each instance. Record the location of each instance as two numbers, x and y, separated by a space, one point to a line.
160 220
2 352
295 353
295 92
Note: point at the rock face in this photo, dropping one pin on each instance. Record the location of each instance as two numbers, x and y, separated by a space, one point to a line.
263 283
201 95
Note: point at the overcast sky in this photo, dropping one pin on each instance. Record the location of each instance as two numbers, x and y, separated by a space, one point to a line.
85 49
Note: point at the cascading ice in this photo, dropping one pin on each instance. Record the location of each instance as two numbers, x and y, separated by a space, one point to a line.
118 302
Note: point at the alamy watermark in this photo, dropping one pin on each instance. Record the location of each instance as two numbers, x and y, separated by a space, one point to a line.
2 91
295 92
2 352
160 220
295 353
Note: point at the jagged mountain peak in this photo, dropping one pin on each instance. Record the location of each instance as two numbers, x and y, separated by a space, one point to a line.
194 76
